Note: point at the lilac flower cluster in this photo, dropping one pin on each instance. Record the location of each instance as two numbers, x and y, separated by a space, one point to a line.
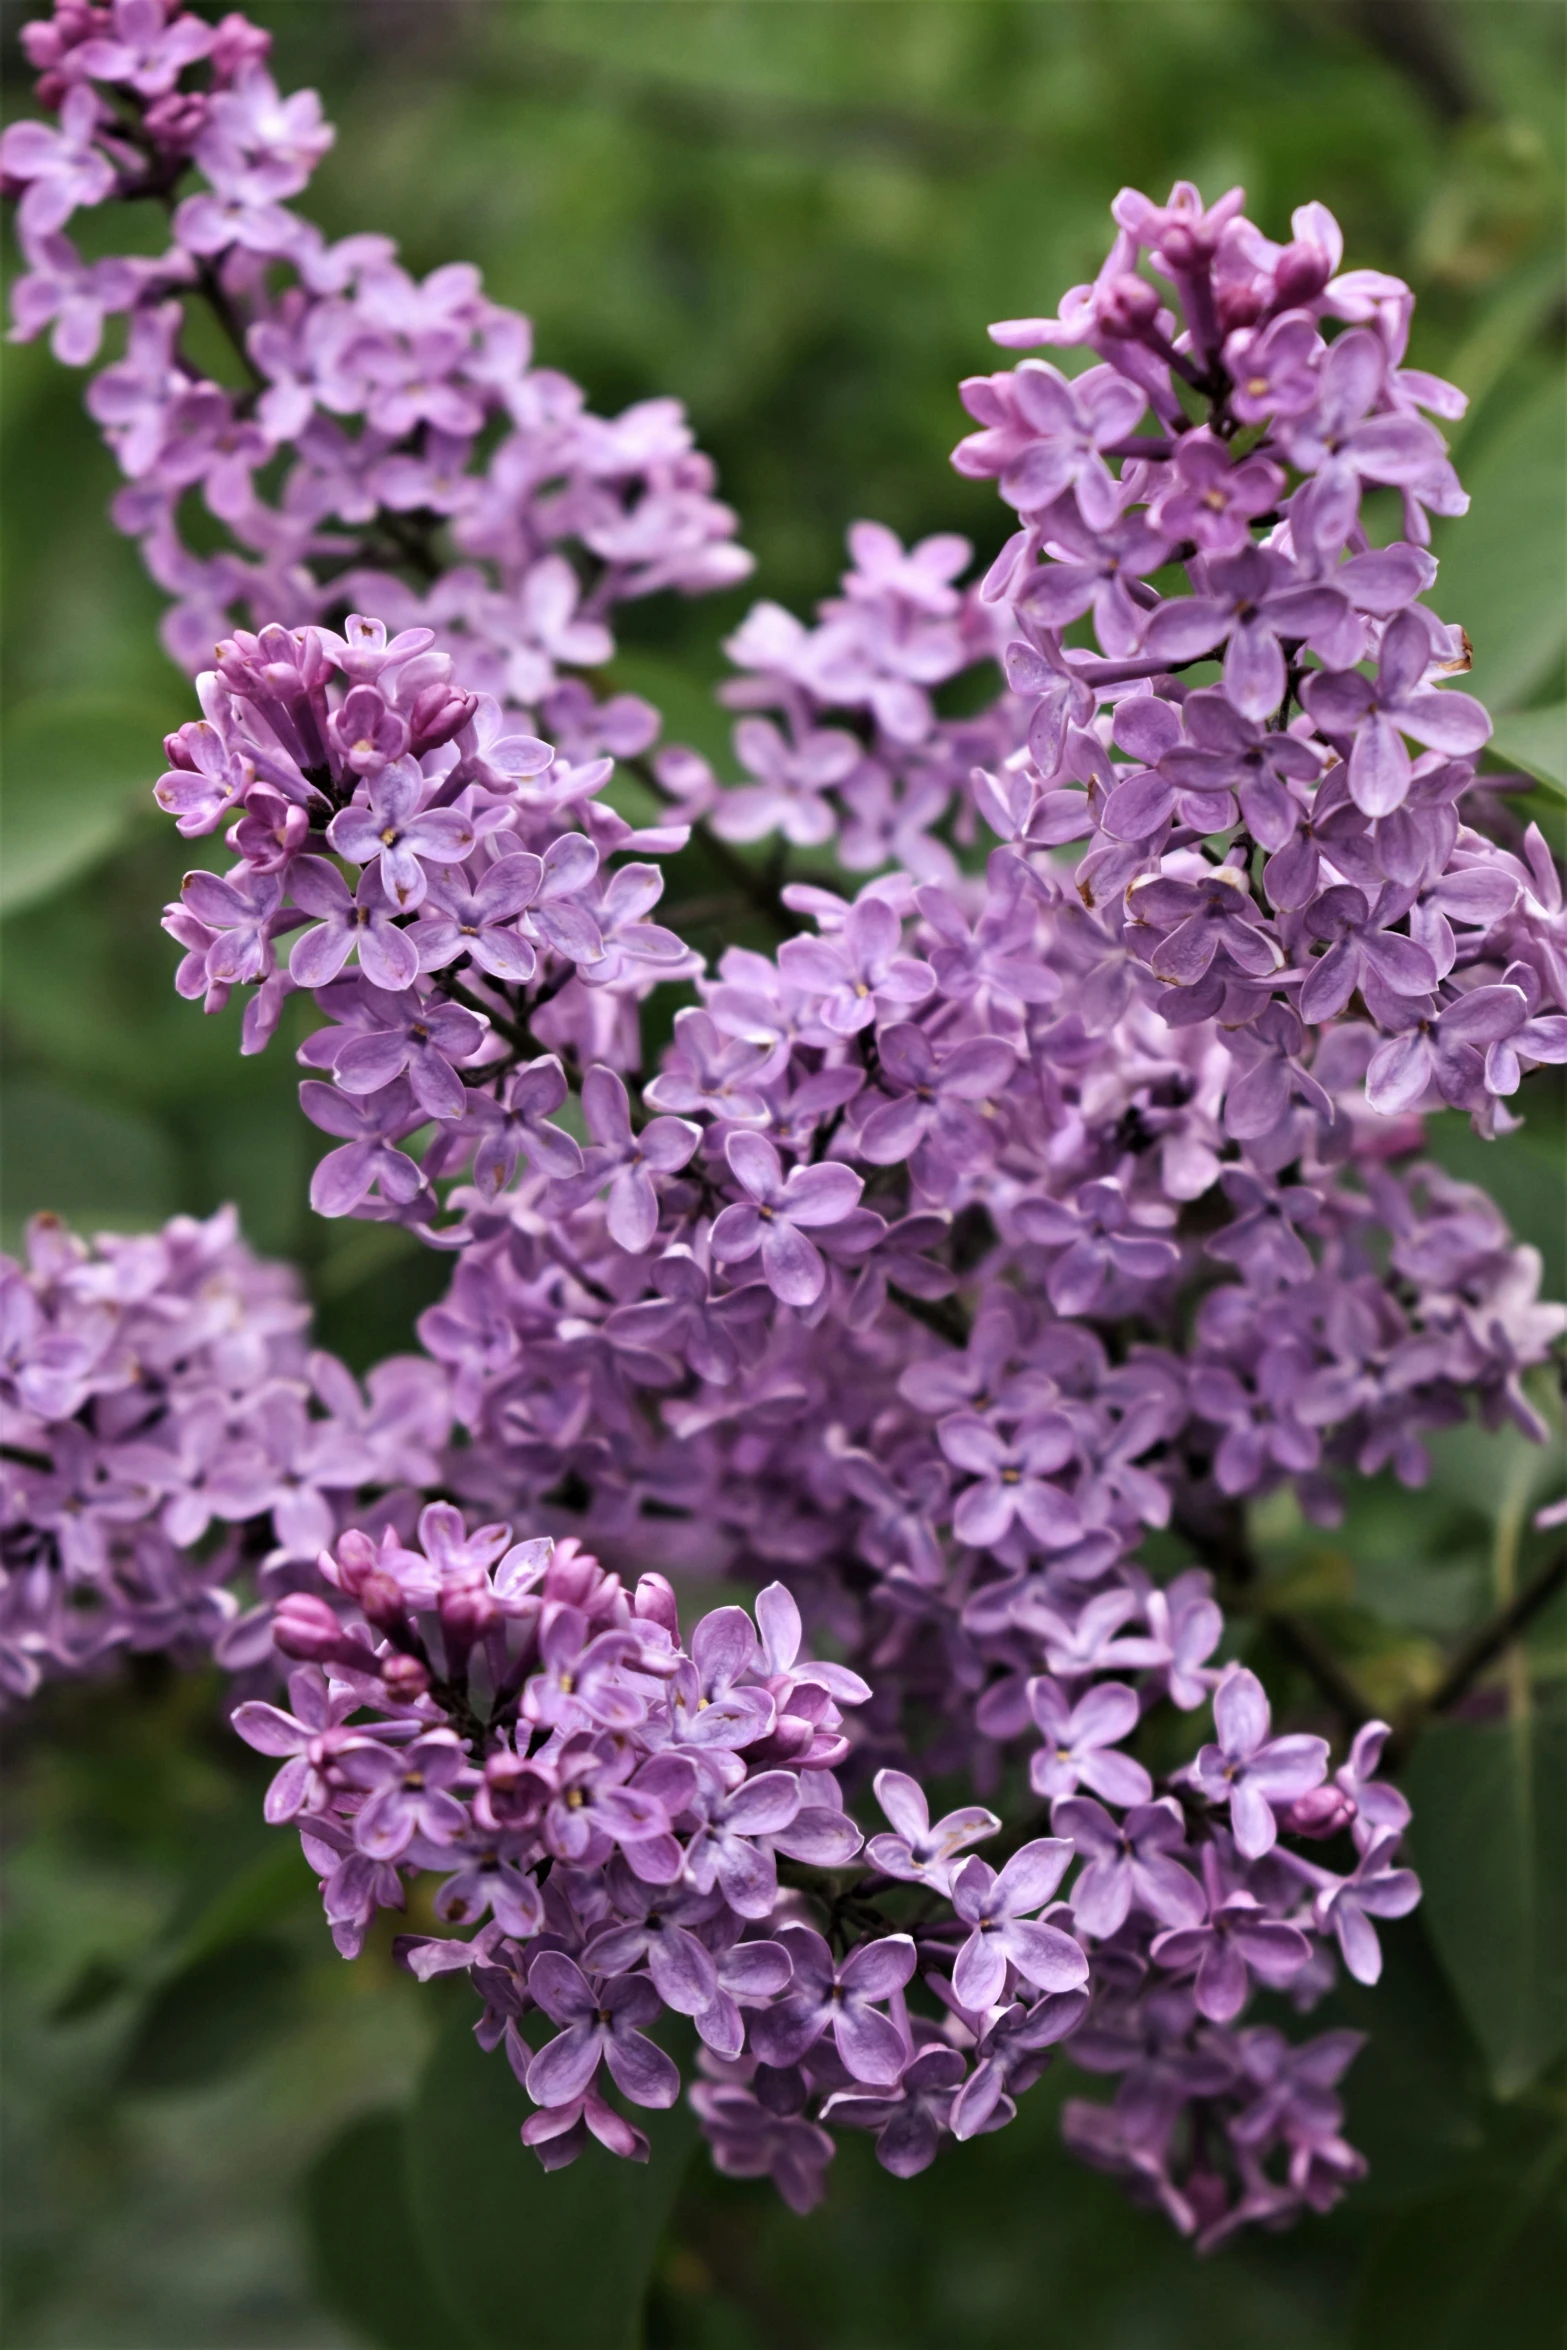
165 1432
638 1827
1018 1205
414 432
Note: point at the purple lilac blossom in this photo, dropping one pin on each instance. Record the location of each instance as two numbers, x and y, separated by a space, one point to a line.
175 1452
1166 1085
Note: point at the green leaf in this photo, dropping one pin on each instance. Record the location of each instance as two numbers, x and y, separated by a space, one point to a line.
212 2016
691 714
86 1160
1499 1472
1490 1842
1502 561
275 1885
533 2260
1525 1173
79 769
1536 741
363 2247
1417 2093
97 1983
1482 2265
1502 333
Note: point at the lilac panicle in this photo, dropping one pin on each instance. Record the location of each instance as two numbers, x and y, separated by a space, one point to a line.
1056 1179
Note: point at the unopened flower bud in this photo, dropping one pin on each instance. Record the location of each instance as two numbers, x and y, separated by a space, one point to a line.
1299 275
1126 307
357 1557
1180 247
1320 1812
467 1614
438 713
655 1603
381 1600
405 1677
305 1627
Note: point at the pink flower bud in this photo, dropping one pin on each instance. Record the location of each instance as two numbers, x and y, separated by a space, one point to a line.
305 1627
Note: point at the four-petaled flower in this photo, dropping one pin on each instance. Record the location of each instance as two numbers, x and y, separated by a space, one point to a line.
1250 1770
1003 1930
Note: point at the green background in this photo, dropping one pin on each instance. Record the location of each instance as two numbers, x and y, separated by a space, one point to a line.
798 216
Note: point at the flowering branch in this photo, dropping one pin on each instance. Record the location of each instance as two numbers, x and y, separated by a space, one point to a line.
990 1221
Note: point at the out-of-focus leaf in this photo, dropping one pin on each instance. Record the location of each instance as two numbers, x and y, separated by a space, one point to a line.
1502 561
690 713
212 2016
1497 1471
364 2249
1490 1841
532 2260
78 771
1525 1173
1482 2265
1536 741
1506 326
84 1159
96 1984
1416 2094
276 1884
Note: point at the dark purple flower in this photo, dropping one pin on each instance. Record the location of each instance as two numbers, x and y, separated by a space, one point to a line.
518 1122
1104 1236
1340 442
934 1097
1239 1940
367 1162
424 1038
407 1792
1255 608
909 2127
1212 500
1362 951
1198 918
1446 1052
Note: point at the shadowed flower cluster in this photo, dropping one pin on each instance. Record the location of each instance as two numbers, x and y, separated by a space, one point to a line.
168 1431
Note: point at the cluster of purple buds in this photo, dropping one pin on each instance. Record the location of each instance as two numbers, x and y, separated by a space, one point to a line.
638 1827
166 1435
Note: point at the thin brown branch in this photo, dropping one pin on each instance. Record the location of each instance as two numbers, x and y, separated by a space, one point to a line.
1482 1648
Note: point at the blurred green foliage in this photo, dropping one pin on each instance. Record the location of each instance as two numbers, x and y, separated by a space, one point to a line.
799 218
